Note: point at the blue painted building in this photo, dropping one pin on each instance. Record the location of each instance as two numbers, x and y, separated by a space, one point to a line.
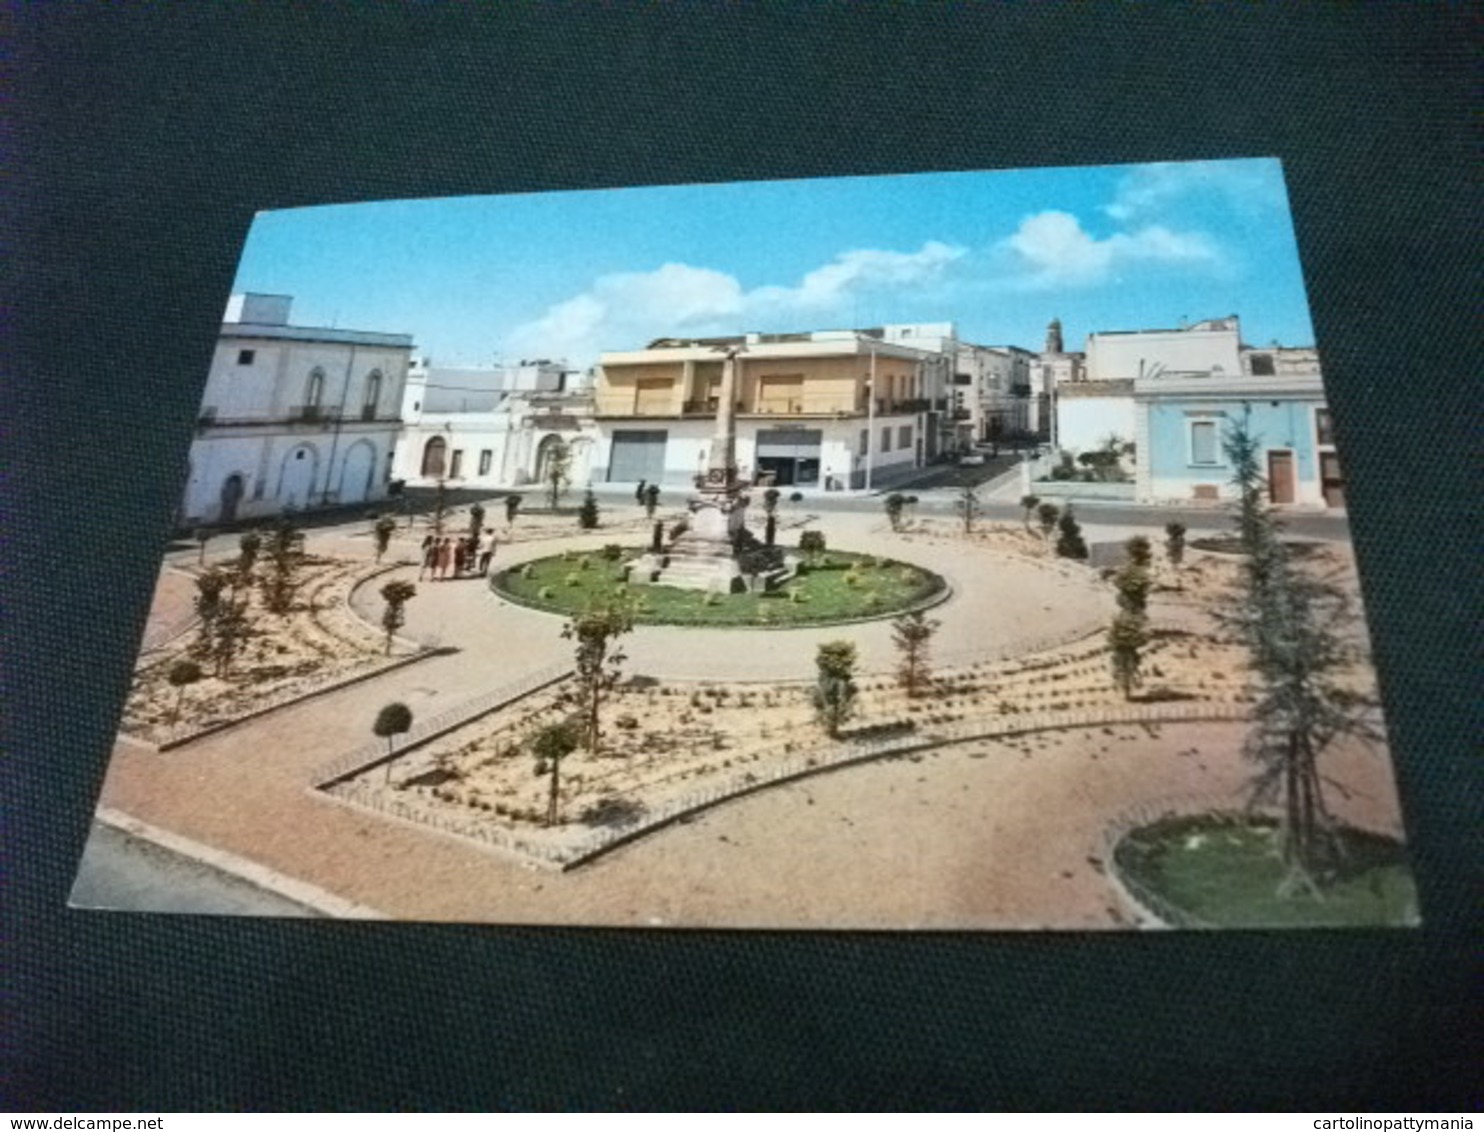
1181 421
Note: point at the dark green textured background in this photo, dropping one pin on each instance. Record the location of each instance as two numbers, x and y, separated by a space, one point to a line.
141 139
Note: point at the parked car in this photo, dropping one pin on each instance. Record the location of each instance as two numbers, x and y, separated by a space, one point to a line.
971 460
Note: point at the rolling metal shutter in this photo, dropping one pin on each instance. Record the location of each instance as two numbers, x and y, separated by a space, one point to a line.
637 454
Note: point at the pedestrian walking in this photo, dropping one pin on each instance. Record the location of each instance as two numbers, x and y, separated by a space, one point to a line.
639 494
486 552
445 557
429 557
460 557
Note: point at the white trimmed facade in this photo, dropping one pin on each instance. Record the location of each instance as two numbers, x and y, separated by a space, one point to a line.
293 418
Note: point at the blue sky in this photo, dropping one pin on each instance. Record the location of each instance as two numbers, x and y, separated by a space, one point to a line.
475 279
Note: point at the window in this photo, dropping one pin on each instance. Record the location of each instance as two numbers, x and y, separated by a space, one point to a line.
1203 442
485 457
314 391
886 440
373 394
245 357
1262 365
1324 427
865 445
457 464
904 436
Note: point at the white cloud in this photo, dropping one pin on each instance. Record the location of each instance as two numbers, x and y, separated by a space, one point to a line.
1249 185
855 271
1052 249
625 310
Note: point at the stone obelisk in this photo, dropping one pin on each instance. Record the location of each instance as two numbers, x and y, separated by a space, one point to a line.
704 555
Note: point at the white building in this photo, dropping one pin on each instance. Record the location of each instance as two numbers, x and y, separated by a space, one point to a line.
293 417
994 392
507 445
1095 396
458 389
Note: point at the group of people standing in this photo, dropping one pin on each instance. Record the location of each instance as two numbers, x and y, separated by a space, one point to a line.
449 556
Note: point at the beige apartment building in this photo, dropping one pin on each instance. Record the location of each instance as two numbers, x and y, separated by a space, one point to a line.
825 409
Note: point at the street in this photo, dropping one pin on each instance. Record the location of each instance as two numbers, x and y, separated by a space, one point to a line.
122 873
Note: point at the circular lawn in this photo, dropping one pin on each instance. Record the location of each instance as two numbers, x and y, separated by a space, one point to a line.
839 587
1225 871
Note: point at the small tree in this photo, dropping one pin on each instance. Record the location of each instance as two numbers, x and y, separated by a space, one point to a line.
392 720
1028 504
551 745
394 616
1046 515
587 514
1070 543
202 536
1140 552
221 605
1175 549
512 508
912 634
834 689
1126 640
770 500
285 547
232 630
182 674
968 507
476 521
812 544
558 472
382 532
249 545
895 504
597 662
651 500
1134 582
211 599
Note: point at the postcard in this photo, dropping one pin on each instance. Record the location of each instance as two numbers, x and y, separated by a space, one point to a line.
940 551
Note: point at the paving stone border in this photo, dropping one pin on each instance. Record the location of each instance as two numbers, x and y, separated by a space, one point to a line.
571 848
294 693
368 756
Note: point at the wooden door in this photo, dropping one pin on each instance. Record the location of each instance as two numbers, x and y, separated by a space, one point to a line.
1280 476
1331 481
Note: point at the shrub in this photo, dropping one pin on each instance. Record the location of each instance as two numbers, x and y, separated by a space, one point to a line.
613 552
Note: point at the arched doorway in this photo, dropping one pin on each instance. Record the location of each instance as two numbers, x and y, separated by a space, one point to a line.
551 449
435 458
231 496
296 482
356 472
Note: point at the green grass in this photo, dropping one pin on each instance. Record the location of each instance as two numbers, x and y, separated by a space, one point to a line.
1225 871
849 587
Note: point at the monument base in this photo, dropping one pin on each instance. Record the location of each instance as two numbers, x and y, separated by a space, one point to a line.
704 555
